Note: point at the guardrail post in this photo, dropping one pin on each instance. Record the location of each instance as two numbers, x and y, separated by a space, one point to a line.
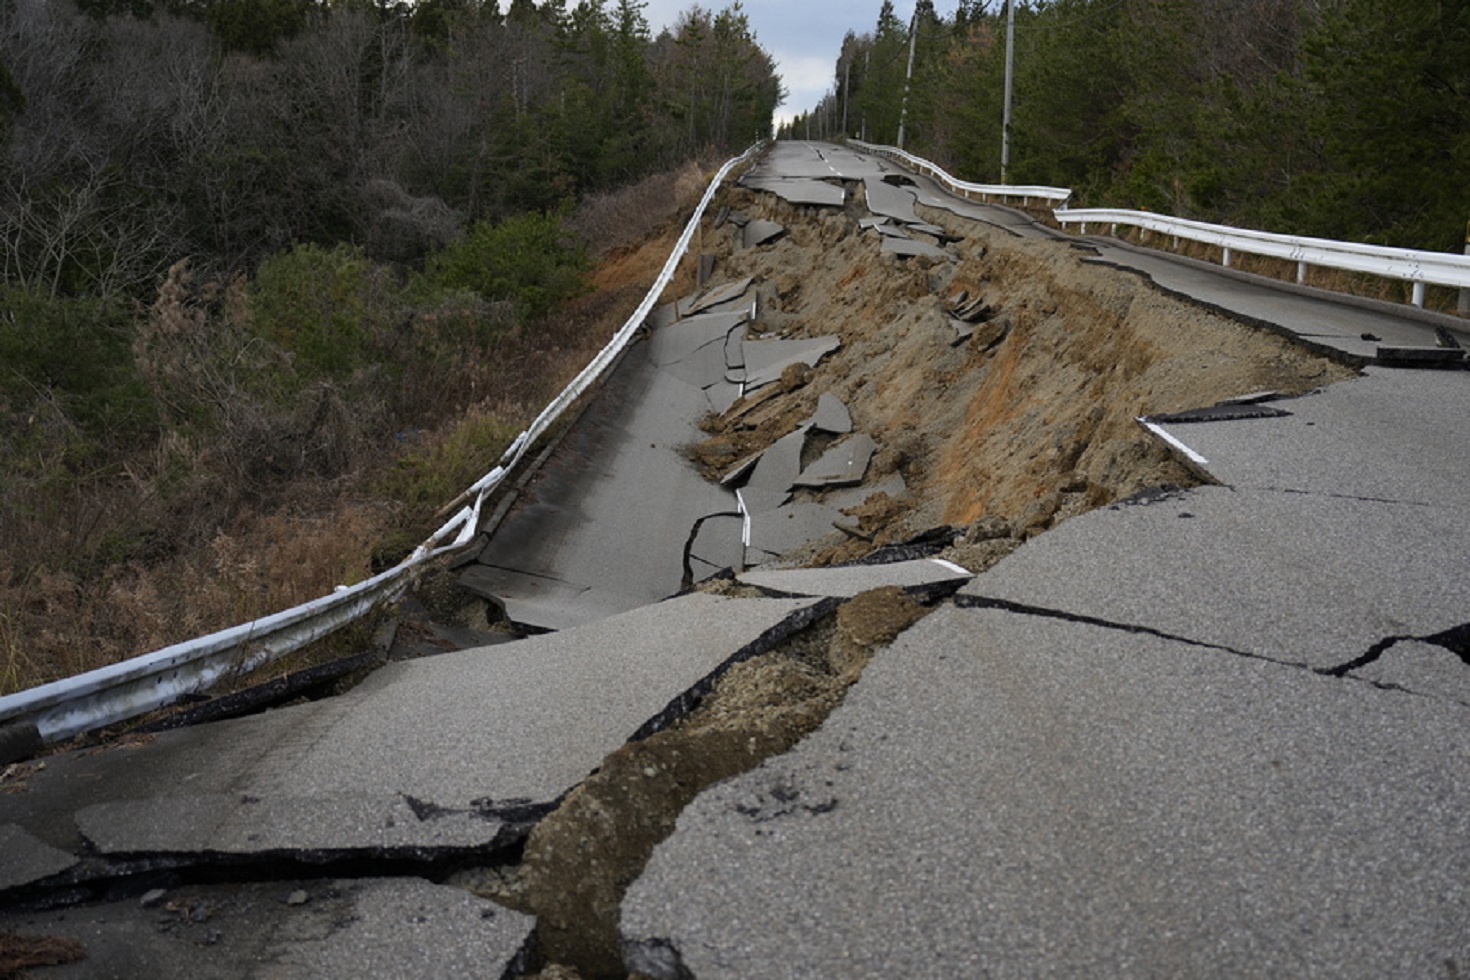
1464 290
1301 273
1225 258
1419 295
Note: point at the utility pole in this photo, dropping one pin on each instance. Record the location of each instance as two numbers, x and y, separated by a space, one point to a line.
846 88
1005 125
867 67
903 112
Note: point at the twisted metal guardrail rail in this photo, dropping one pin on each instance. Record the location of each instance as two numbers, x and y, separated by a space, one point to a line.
125 690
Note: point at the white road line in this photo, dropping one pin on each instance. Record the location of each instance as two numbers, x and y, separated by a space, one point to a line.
951 566
1158 430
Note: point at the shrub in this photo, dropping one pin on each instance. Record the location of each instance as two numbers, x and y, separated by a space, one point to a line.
528 259
328 307
73 354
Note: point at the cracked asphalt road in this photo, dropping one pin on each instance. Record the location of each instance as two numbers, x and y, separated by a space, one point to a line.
1217 732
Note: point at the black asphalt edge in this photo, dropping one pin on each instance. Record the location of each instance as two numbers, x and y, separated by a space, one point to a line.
308 683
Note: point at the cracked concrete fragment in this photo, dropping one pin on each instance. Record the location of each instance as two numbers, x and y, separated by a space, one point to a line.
831 415
765 360
24 858
714 297
779 531
844 465
761 232
909 248
780 464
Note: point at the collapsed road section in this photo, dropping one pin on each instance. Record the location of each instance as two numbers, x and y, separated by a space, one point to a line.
1201 713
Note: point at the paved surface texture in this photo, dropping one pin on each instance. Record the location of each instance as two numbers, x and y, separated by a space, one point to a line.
335 930
433 754
608 515
1215 732
1007 795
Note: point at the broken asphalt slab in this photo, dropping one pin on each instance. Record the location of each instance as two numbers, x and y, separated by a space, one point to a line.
765 360
329 929
850 580
454 752
843 465
1010 795
1340 526
799 190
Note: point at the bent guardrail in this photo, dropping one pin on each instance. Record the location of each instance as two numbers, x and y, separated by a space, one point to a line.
1054 196
125 690
1409 265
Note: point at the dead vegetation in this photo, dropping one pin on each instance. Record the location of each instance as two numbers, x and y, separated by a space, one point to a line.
254 499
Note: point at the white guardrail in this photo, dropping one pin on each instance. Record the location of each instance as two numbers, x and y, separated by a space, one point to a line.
101 697
1055 196
1420 268
1409 265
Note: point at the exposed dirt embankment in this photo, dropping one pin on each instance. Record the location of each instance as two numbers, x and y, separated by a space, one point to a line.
1029 421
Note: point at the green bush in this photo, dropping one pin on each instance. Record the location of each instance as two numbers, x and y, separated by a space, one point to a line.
75 354
330 308
528 259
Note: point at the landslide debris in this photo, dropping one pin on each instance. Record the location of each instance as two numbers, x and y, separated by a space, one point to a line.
1004 385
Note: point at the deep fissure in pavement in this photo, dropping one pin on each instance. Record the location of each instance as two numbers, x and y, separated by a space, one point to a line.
1456 640
581 859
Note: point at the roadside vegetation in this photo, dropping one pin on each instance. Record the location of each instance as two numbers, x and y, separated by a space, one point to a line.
1343 119
278 280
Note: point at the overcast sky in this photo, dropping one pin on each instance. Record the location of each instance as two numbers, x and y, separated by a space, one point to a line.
804 36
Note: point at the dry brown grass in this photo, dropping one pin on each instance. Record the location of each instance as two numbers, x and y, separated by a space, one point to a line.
222 523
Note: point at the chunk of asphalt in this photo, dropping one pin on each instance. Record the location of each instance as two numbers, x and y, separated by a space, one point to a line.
714 296
780 465
800 190
831 415
785 528
886 200
759 500
1103 804
682 340
1297 577
961 331
765 360
25 859
761 232
851 580
843 465
848 497
909 249
424 756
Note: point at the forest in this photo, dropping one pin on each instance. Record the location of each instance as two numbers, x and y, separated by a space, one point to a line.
1345 119
275 274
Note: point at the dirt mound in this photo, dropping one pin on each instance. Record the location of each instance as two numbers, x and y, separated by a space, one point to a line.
1033 418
